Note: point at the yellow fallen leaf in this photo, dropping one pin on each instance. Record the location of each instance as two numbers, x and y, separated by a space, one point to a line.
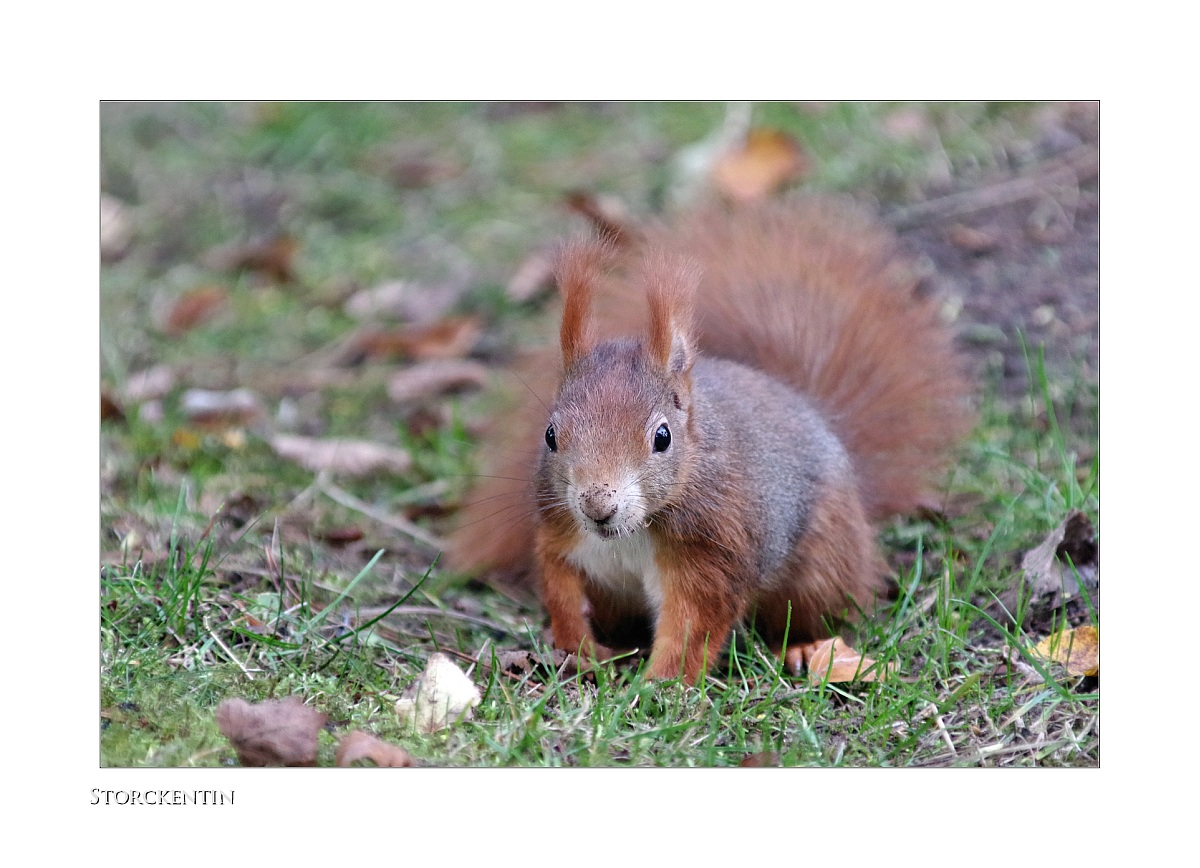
1078 650
766 161
185 438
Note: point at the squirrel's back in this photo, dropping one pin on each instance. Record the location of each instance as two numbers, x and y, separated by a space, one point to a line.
820 296
813 293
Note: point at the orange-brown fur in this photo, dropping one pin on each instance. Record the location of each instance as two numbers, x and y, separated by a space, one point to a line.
579 268
812 294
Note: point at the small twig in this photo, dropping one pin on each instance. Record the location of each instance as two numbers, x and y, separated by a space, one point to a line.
431 612
941 725
395 522
272 564
477 660
773 665
1077 165
225 648
479 654
421 493
982 753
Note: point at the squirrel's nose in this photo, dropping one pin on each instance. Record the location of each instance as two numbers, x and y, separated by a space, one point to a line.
598 503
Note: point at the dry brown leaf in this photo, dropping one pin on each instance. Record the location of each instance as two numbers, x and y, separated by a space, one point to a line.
342 535
763 760
765 162
272 258
110 408
435 378
278 732
1047 568
221 409
524 662
449 338
972 240
193 308
832 660
359 745
441 696
349 457
1077 649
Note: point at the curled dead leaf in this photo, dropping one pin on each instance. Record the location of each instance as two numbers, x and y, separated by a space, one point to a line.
449 338
344 456
441 696
434 378
1077 649
359 745
833 661
194 307
278 732
523 662
1069 550
763 163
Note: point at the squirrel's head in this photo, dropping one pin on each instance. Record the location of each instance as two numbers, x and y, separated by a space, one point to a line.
618 444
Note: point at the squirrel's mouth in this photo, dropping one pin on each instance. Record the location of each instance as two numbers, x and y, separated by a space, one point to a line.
611 530
615 530
605 531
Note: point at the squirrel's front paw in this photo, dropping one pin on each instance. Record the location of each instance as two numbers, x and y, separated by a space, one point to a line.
666 667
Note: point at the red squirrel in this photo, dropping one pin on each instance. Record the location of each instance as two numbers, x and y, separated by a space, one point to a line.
777 386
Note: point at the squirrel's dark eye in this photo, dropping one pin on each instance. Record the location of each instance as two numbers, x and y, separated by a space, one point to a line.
551 441
662 438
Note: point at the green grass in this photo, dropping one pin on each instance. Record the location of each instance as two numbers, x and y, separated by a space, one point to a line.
255 602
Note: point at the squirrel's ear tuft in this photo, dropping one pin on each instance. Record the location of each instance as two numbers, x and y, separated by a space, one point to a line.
671 283
579 266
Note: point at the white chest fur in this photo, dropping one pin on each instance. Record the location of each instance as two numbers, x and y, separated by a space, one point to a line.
624 566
